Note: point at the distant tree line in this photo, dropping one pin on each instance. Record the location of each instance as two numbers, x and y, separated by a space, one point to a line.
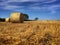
36 18
2 19
26 17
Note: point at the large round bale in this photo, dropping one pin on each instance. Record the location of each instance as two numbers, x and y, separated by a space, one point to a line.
17 17
7 19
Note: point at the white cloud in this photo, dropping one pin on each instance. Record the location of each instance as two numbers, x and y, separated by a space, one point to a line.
34 8
53 11
5 2
51 8
55 6
48 1
10 7
42 1
23 0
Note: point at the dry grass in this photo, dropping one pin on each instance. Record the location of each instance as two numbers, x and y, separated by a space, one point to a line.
30 33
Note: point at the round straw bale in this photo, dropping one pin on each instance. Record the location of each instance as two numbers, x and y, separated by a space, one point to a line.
17 17
7 19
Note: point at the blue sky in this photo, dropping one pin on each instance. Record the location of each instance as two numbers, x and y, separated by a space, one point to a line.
43 9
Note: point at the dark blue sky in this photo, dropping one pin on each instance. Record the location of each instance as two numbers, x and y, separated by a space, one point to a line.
43 9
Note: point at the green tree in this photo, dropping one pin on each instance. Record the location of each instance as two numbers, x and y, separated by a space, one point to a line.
36 18
26 17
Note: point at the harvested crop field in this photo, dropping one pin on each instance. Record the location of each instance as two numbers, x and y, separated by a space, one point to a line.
30 33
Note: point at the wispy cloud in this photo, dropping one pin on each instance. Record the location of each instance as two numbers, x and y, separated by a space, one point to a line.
41 1
51 8
54 8
48 1
10 7
44 1
36 6
5 2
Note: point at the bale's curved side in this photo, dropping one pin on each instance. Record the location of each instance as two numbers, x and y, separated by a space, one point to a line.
17 17
7 19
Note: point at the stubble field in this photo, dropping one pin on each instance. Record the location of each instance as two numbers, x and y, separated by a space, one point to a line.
30 33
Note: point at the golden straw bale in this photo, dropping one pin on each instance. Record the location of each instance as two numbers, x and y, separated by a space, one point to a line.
7 19
17 17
